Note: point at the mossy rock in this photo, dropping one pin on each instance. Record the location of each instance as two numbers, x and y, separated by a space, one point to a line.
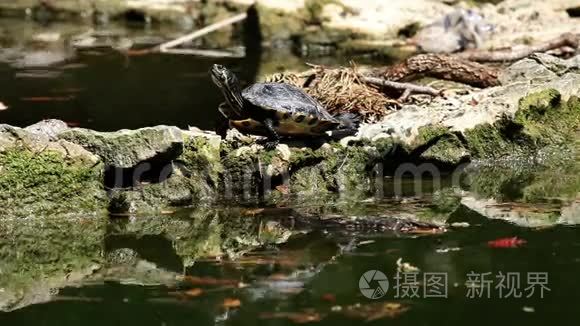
436 143
542 119
40 184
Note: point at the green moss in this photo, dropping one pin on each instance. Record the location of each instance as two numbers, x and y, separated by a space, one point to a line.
430 133
489 140
44 183
202 160
542 119
241 173
309 180
554 174
438 144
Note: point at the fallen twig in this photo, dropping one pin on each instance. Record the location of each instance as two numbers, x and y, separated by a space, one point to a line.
167 47
405 87
441 66
202 32
206 53
564 40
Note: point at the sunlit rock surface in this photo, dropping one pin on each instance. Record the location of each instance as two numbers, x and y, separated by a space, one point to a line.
318 27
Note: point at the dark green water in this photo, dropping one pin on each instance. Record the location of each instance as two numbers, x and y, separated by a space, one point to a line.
163 270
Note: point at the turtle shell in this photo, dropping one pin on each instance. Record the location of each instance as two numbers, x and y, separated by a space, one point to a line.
293 111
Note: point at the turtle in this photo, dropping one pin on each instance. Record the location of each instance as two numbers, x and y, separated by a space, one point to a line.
275 109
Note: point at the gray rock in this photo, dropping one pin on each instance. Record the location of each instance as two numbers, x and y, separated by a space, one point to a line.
42 137
462 112
50 128
128 148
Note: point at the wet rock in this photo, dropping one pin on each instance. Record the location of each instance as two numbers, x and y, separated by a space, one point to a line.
40 255
516 213
155 168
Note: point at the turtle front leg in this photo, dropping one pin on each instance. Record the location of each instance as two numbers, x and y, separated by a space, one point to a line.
273 137
227 111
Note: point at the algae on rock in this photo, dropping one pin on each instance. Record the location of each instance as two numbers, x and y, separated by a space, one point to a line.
40 184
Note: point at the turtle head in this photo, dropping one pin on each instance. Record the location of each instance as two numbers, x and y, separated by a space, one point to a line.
229 85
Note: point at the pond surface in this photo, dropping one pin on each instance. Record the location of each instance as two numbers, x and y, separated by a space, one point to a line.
243 266
240 266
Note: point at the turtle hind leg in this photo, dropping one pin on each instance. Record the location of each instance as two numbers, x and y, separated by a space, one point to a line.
273 137
348 121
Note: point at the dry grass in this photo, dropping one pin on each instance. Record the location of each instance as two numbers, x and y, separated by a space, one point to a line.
340 90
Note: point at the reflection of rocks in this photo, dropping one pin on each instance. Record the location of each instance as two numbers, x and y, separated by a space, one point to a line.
520 214
38 256
126 267
207 232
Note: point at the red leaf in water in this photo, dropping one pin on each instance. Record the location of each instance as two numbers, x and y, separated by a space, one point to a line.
512 242
329 297
307 316
210 281
195 292
47 98
73 124
231 303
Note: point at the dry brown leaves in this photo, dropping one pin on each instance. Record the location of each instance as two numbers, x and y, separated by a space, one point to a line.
340 91
306 316
366 312
375 311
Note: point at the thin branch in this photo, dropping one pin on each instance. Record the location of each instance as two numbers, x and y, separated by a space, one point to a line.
406 87
205 53
567 39
202 32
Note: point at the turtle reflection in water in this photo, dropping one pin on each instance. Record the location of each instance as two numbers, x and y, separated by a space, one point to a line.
275 109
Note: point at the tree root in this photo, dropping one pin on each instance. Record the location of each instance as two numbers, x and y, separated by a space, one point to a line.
442 66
